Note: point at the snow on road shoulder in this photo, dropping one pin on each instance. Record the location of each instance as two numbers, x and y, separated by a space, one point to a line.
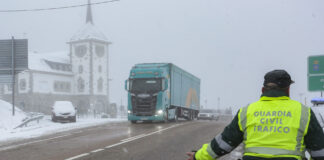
47 127
44 127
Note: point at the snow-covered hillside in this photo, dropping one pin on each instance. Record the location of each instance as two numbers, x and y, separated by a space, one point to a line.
7 121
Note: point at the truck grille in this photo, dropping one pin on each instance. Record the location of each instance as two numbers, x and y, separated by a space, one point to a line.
144 106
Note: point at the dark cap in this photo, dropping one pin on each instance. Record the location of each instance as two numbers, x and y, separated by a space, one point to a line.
279 77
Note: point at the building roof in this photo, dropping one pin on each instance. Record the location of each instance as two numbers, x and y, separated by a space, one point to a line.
89 30
54 62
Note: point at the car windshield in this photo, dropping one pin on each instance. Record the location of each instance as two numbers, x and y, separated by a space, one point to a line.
154 79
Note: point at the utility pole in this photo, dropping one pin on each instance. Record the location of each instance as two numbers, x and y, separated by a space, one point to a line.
13 68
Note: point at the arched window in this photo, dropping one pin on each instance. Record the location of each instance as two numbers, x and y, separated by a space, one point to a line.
80 85
99 68
80 69
100 84
22 84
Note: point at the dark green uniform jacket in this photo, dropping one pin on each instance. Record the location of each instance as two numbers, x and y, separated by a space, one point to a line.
231 137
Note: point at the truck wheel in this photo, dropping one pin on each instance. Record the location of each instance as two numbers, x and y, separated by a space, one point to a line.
166 117
190 116
176 116
133 121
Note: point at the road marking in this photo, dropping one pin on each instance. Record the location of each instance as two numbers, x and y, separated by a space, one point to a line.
125 141
27 143
133 137
78 156
145 135
98 150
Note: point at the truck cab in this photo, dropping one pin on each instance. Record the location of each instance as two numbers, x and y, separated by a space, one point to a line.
147 93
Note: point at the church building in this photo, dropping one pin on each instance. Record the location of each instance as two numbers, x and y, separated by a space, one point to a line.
79 75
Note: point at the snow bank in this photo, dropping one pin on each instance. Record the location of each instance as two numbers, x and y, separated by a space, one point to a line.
7 121
47 127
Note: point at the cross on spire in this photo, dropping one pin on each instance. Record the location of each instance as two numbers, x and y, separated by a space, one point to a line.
89 13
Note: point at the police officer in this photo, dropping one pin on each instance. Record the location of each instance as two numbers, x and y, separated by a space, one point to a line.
273 128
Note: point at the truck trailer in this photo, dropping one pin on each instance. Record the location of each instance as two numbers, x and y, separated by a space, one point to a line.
162 92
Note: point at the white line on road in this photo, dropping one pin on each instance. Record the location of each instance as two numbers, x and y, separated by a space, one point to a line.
145 135
98 150
23 144
78 156
125 141
132 137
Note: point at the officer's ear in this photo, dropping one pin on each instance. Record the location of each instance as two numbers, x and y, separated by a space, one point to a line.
288 90
262 89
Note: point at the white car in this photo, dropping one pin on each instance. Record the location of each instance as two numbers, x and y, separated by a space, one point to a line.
63 111
210 114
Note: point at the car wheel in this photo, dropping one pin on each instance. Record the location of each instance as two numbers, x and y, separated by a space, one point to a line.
74 119
53 119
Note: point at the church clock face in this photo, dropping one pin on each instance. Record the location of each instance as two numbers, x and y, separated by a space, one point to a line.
100 50
80 51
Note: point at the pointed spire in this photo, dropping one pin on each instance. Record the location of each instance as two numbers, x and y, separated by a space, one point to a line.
89 13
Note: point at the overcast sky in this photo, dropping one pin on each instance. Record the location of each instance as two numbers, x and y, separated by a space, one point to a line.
228 44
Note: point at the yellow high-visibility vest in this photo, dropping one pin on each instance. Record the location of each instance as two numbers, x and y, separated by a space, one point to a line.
274 127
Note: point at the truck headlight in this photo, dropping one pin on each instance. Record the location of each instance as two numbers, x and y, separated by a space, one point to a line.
160 112
129 112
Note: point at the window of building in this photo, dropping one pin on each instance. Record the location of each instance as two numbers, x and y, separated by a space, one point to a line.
100 50
61 86
22 84
99 68
80 69
80 85
100 85
80 51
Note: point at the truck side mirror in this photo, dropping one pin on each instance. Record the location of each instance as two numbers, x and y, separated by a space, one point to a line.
126 85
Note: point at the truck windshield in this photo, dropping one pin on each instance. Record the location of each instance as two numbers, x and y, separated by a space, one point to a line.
145 85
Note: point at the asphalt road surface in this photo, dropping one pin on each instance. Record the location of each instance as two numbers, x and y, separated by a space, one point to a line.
119 141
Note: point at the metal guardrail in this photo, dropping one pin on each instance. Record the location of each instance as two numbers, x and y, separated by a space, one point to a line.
24 124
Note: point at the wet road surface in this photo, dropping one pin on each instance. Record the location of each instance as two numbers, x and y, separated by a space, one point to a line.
118 141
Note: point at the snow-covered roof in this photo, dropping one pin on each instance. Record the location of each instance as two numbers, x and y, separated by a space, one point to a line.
55 62
89 31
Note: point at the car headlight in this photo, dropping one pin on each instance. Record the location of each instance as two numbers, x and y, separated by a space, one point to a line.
129 112
160 112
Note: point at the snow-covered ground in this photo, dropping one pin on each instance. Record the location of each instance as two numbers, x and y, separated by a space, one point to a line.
44 127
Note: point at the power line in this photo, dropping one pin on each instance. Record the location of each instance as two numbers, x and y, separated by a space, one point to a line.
56 8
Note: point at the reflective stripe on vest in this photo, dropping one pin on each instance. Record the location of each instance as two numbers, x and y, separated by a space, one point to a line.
274 126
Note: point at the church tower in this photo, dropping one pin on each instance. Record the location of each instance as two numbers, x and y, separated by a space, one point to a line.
89 60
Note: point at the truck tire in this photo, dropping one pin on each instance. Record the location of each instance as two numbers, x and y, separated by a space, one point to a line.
133 121
190 116
176 115
166 117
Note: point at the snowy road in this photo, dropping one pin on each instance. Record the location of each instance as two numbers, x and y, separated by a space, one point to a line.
118 141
